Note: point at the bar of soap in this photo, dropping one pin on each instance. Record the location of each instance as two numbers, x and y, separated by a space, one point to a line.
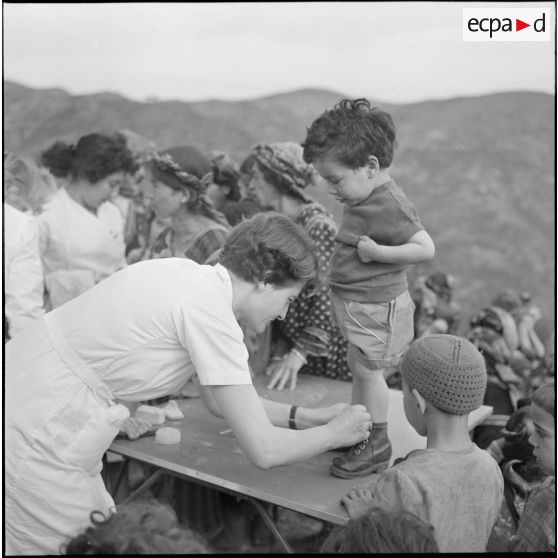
154 415
172 410
167 435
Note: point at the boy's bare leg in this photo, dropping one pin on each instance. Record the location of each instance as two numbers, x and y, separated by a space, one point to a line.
370 389
373 454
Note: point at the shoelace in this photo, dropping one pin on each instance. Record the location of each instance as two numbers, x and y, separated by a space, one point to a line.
361 447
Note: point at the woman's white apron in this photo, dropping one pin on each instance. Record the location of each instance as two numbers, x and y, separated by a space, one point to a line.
60 420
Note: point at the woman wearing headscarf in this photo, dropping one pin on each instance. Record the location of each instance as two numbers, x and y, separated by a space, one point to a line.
306 340
81 231
177 190
140 334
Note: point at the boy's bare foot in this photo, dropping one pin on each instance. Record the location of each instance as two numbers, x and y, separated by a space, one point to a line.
358 501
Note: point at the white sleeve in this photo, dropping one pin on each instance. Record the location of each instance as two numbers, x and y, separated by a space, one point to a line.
207 329
24 280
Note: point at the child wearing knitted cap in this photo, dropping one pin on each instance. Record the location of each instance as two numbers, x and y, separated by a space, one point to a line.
452 484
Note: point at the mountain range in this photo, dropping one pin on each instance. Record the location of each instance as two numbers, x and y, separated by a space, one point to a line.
480 170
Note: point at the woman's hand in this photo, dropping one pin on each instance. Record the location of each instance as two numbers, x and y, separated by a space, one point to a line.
307 418
134 428
351 426
284 370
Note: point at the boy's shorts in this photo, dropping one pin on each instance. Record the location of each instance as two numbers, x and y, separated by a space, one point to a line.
377 332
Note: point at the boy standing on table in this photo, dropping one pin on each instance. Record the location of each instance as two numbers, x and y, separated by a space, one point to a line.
351 146
452 485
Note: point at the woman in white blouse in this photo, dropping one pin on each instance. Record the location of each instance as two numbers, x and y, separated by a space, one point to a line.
26 189
141 334
81 231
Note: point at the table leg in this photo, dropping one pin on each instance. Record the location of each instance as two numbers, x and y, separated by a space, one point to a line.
145 485
121 473
269 522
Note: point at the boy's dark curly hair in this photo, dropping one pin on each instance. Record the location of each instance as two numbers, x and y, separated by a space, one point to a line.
94 157
136 528
269 247
350 133
381 531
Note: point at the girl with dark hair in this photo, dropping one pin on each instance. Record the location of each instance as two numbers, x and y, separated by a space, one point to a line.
142 334
81 232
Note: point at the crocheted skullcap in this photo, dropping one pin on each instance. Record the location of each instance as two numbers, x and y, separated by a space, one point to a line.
448 371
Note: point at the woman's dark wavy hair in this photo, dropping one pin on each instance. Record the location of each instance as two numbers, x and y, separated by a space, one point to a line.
93 157
350 133
136 528
270 248
381 531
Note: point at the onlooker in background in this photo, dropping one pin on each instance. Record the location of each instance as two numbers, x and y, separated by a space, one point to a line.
129 198
177 189
136 528
306 341
452 484
435 311
81 232
537 526
491 335
382 531
56 160
226 191
26 189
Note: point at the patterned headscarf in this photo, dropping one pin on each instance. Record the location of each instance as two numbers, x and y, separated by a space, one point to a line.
285 159
182 167
185 167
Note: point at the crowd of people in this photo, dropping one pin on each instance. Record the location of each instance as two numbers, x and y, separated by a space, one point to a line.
204 269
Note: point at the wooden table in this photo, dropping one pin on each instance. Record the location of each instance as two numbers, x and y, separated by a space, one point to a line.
208 457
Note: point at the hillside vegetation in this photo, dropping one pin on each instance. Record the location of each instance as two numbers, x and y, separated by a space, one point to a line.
479 169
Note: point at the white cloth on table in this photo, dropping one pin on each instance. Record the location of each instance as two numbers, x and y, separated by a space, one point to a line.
143 332
74 240
23 270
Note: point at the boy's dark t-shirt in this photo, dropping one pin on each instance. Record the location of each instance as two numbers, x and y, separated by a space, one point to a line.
390 219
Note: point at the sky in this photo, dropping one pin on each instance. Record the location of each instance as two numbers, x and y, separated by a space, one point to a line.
396 52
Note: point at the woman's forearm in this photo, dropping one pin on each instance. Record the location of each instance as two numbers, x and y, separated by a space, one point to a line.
266 438
278 414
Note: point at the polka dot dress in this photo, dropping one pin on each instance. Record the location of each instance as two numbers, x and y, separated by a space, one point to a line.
308 323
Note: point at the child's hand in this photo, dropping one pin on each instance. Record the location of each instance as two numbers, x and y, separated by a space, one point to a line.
358 501
367 249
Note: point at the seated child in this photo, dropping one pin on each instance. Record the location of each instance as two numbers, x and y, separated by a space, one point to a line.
452 484
382 531
537 526
136 528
